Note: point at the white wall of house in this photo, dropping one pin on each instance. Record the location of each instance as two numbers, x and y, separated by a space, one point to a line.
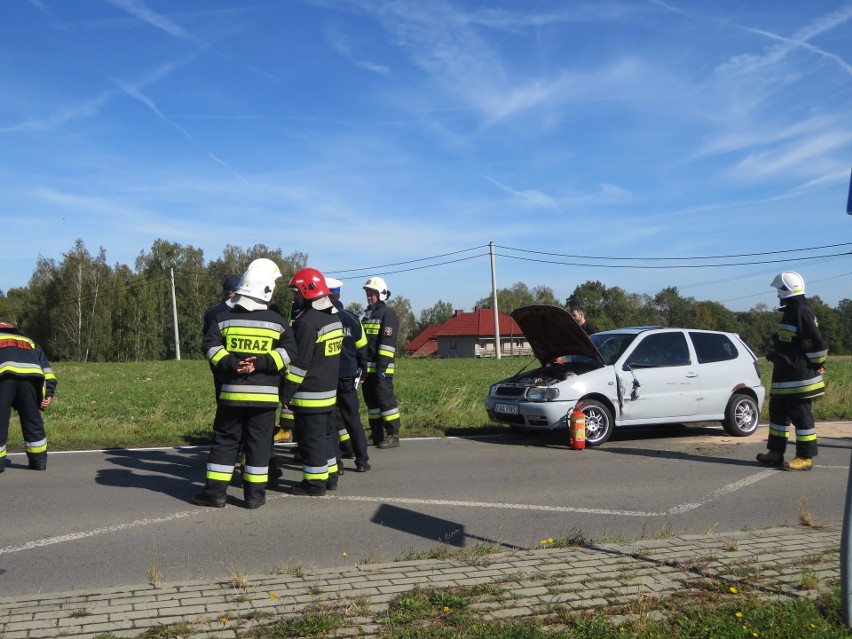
471 346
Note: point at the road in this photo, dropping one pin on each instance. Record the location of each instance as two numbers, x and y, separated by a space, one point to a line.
120 518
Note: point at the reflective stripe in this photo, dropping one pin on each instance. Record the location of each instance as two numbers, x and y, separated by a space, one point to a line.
215 354
279 361
386 348
374 412
256 474
237 388
2 451
260 398
817 357
806 438
790 328
328 331
270 327
343 435
386 353
21 368
285 357
315 472
361 343
219 472
36 447
779 431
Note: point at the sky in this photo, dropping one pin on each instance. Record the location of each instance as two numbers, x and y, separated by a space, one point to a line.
642 144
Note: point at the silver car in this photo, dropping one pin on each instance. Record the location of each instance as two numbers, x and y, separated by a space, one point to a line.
628 377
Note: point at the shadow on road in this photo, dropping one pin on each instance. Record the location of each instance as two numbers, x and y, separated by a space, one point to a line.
170 473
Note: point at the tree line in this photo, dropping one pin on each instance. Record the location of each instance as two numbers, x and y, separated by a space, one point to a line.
84 309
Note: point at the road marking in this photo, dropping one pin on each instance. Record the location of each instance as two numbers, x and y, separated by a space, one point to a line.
680 509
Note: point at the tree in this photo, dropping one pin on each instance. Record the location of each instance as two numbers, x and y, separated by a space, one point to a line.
844 321
407 324
675 310
518 295
757 326
436 315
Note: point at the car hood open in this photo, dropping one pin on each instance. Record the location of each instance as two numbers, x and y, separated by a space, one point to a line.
552 332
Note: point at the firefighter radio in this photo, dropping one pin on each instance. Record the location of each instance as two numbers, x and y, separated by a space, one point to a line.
577 428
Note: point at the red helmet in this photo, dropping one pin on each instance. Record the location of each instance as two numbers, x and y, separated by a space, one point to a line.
310 283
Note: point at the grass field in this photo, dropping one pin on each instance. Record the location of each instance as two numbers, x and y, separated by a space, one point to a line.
113 405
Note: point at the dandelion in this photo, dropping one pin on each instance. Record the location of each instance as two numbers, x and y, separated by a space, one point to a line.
446 608
739 614
344 554
273 596
733 590
754 634
223 619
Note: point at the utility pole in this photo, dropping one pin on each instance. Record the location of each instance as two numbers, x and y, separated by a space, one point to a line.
494 302
174 316
845 549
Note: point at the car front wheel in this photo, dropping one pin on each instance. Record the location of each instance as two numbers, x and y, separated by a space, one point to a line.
741 416
598 422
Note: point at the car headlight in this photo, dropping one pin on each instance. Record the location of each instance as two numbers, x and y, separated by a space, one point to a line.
539 394
493 391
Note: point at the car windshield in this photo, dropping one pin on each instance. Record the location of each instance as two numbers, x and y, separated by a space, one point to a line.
612 345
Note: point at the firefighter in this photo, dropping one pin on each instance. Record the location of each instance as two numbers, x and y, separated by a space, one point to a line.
798 356
229 289
353 366
310 385
381 327
27 384
249 345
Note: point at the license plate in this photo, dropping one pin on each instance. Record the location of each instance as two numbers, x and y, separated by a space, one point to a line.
506 409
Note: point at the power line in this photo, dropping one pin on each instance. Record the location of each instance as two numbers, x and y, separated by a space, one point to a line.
696 257
672 266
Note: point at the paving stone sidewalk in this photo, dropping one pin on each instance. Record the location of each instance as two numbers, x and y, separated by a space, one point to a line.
527 583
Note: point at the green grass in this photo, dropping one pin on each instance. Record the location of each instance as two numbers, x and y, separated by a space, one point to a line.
114 405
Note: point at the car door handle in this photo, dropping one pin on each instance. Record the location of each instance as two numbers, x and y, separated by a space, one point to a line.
692 374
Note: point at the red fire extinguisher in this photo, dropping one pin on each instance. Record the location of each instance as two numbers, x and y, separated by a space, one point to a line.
577 428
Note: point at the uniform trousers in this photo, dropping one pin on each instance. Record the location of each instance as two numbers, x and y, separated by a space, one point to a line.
316 434
253 427
350 415
784 410
24 395
382 407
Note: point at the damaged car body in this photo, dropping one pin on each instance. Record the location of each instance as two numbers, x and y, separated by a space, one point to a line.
635 376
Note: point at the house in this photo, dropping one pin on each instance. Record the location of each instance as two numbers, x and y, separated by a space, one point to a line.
470 335
425 344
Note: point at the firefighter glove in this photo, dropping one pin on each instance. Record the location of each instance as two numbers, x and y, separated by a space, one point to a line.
381 375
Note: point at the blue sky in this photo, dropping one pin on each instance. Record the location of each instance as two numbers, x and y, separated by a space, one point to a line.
399 138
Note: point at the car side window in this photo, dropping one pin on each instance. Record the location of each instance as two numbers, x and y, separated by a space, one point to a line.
662 349
712 347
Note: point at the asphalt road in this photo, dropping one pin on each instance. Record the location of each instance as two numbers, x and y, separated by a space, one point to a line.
118 518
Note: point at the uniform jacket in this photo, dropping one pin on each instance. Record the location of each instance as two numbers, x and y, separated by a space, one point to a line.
22 358
236 334
353 355
382 328
799 351
310 384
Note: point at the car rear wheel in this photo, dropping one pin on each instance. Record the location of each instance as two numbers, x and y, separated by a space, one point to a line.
741 416
598 422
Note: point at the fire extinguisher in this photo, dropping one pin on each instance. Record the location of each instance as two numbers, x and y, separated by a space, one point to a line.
577 428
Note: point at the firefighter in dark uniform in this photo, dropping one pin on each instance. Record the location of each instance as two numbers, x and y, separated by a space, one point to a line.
798 356
382 328
229 289
353 366
310 385
250 346
27 384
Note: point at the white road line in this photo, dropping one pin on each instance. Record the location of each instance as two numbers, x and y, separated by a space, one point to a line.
676 510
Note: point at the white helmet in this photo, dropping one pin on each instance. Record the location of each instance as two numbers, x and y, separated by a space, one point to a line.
378 284
789 284
258 282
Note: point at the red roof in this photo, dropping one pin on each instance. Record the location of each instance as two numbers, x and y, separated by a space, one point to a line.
425 343
479 323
